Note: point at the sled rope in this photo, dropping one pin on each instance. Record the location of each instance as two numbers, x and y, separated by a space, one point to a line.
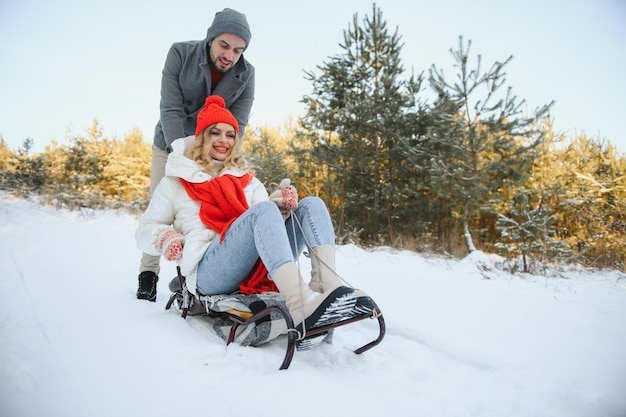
296 251
295 222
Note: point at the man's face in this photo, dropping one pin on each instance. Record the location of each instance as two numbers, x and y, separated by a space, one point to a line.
225 50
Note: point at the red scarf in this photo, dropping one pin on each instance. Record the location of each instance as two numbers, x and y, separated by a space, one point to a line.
222 201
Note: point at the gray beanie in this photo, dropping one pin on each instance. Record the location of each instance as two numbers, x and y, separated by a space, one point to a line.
229 21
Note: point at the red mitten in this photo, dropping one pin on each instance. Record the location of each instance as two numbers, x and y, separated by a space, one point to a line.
170 243
286 196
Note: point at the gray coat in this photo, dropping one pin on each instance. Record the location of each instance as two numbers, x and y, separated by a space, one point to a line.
185 85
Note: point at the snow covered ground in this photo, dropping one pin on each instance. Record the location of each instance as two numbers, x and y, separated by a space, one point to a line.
463 339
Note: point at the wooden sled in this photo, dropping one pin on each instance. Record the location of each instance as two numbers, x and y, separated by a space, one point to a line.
245 318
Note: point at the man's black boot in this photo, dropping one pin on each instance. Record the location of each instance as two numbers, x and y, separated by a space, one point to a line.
147 286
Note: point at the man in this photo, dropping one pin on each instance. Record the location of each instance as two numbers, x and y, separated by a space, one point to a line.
194 70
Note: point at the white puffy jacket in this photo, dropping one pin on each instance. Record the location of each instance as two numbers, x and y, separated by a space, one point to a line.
171 207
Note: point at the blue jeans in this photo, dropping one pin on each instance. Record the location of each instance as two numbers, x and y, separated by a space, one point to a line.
261 232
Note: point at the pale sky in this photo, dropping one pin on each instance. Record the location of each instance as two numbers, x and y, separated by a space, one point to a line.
64 63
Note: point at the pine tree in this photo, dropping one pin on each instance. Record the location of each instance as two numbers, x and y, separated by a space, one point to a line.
355 118
6 155
85 162
529 231
25 172
125 176
267 153
478 141
592 206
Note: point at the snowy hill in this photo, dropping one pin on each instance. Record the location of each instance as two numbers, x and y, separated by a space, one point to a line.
463 339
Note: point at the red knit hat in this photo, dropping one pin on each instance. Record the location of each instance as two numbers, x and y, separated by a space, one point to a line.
215 111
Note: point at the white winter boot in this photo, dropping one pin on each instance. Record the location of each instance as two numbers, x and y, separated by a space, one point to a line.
323 276
309 308
325 279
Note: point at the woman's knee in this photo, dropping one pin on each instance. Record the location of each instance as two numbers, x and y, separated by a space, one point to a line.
313 203
267 209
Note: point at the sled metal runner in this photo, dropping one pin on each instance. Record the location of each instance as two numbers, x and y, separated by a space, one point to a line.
292 335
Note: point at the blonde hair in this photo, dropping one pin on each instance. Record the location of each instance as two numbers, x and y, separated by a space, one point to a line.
236 158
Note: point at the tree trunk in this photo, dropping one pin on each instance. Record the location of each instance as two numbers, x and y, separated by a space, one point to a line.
466 231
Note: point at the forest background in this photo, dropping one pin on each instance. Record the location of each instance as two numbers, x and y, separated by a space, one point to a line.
429 162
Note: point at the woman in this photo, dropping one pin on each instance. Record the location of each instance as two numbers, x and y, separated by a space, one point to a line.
216 219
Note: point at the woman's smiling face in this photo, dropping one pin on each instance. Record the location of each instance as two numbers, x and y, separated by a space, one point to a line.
222 139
